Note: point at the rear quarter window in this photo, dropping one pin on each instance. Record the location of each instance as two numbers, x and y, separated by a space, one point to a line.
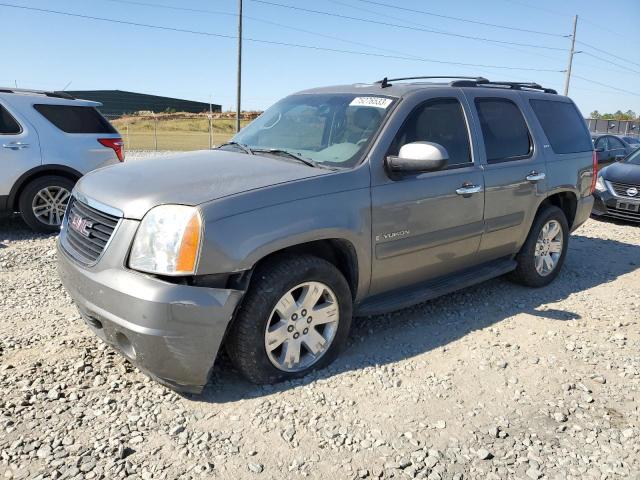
563 125
8 124
76 119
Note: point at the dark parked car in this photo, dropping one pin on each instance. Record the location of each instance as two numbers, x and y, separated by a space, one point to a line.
633 142
610 149
618 189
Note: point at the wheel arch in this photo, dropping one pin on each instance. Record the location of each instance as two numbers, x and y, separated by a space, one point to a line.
565 200
341 253
37 172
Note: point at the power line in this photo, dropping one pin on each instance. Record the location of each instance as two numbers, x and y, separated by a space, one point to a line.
617 34
460 19
608 53
387 16
171 7
611 62
584 19
629 92
269 42
261 20
406 27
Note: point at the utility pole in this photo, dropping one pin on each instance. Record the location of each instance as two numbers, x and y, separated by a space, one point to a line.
239 66
210 123
571 54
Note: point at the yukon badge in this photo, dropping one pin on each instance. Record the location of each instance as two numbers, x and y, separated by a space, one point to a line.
392 235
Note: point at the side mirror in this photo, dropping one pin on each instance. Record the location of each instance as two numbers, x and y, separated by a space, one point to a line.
418 157
599 150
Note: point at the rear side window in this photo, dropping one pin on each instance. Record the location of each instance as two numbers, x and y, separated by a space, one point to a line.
615 143
563 126
75 119
8 124
505 133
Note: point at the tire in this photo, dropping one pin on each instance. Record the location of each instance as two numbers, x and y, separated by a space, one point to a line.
526 272
246 343
29 195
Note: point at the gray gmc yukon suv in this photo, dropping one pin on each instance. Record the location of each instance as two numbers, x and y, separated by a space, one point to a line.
338 201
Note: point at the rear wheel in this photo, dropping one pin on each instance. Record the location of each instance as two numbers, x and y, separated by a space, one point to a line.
295 318
43 202
543 253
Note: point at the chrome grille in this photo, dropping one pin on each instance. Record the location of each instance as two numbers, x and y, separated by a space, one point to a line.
87 248
620 189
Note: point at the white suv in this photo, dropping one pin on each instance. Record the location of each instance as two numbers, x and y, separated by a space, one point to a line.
48 140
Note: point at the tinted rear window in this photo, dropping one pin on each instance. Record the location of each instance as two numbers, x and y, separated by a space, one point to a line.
8 124
74 119
506 135
563 126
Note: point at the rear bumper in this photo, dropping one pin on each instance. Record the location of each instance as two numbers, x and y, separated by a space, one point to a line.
172 332
606 205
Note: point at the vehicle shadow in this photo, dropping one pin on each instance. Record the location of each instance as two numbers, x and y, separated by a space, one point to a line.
615 221
385 339
13 228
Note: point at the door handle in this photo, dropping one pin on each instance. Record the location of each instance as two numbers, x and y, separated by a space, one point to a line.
535 177
468 189
15 145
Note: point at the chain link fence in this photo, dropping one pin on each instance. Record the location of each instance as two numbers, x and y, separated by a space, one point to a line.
629 128
178 132
183 131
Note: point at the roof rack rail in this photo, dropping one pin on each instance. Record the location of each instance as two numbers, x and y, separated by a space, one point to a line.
512 85
53 94
385 82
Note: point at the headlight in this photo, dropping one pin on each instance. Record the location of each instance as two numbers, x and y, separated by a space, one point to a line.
167 241
600 186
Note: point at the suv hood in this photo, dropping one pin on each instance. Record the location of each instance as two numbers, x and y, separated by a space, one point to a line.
192 178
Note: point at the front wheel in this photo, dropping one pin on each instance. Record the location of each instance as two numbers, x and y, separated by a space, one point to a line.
295 318
544 251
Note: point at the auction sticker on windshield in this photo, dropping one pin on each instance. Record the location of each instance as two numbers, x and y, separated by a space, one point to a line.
378 102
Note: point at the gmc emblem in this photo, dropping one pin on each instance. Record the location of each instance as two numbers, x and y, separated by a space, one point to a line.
80 225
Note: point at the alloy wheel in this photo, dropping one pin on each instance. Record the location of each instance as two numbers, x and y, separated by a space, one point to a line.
302 326
549 247
49 205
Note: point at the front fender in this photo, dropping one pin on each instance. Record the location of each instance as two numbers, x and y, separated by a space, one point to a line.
236 243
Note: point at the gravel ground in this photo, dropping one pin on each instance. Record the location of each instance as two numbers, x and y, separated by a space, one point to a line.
497 381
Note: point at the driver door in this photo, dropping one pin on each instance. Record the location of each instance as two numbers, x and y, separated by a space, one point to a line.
426 225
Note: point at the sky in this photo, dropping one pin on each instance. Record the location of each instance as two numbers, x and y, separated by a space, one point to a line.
51 51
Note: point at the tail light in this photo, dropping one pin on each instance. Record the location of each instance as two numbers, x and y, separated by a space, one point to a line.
594 178
116 144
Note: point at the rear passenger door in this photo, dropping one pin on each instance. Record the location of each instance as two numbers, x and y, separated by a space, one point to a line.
514 172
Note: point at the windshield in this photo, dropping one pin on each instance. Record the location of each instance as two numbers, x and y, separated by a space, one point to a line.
634 158
632 140
328 129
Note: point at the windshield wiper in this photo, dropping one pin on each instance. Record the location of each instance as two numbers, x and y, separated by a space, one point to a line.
280 151
241 146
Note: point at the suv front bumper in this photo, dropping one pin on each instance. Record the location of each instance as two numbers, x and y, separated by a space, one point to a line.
172 332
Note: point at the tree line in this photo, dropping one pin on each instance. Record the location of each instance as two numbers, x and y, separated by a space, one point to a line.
619 115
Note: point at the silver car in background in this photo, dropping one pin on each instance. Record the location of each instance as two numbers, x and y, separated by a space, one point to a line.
48 140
